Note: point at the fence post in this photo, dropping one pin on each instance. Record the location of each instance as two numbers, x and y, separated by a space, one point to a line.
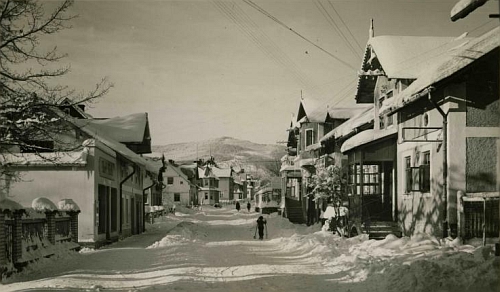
3 242
17 233
51 224
74 225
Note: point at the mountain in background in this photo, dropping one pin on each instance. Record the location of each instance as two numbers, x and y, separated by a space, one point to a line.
257 159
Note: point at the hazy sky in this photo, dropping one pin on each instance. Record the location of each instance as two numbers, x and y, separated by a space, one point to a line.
205 69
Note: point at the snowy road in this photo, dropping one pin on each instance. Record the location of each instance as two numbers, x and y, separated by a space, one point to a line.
214 250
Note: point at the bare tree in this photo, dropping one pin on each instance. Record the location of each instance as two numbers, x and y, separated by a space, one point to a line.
28 80
29 89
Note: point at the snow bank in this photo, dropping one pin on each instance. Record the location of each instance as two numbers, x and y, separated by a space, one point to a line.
68 205
170 240
43 205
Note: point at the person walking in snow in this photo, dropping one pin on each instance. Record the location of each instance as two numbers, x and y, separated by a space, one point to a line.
261 225
238 206
249 206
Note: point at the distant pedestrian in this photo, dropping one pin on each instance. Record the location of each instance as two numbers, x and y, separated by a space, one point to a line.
249 206
261 225
238 206
173 209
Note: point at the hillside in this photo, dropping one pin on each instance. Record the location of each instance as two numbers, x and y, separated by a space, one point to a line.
227 152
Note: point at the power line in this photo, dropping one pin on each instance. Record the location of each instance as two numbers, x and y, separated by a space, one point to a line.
261 40
333 23
347 27
261 10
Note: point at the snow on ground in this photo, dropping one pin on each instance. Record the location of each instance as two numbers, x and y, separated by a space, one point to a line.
215 249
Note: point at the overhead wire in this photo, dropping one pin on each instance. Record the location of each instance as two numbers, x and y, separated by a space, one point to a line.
261 10
333 23
346 26
260 39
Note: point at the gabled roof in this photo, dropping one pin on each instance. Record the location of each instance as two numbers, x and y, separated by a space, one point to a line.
449 63
125 129
401 57
307 108
404 57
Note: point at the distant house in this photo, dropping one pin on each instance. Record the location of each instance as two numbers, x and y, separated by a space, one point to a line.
178 187
208 193
104 177
226 183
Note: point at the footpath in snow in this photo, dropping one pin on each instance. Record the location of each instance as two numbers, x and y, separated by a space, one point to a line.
214 250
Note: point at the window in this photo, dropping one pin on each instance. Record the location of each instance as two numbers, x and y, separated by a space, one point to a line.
206 196
418 177
182 182
170 180
177 197
309 137
106 168
425 173
371 179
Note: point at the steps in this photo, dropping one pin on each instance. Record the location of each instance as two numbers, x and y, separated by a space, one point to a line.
380 229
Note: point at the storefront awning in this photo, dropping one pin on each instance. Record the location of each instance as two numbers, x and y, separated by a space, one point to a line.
366 137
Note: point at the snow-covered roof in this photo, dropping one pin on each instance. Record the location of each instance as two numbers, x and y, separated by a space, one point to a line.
116 146
347 112
130 128
74 158
364 117
406 56
366 137
307 107
400 57
449 63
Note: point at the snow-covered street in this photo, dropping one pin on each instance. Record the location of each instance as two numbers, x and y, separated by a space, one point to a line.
214 250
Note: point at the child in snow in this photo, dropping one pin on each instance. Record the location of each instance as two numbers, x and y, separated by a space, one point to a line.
261 224
249 206
238 206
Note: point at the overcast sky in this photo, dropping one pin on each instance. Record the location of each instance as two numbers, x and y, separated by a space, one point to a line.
205 69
